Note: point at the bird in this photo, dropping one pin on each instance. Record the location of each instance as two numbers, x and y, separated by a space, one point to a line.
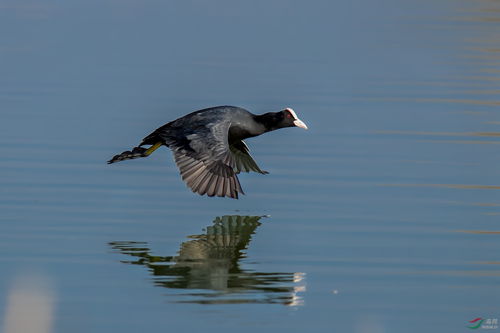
208 146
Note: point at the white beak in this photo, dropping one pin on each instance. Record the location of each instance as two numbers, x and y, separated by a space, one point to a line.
299 123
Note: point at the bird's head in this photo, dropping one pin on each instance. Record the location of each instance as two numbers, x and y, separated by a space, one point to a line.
290 119
275 120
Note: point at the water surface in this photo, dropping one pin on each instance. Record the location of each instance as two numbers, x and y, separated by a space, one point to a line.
383 217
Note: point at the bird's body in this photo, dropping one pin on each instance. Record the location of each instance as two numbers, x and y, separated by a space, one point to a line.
208 146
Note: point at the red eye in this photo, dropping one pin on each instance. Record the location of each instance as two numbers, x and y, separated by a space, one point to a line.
288 115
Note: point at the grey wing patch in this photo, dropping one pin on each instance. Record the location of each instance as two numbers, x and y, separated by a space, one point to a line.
210 177
204 142
242 161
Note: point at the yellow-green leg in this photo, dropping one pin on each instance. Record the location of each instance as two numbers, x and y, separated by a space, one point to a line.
137 152
151 149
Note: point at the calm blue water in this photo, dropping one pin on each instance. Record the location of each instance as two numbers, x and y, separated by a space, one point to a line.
383 217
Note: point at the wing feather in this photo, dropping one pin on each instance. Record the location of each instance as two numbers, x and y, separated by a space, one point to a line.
232 188
212 185
201 186
243 161
220 187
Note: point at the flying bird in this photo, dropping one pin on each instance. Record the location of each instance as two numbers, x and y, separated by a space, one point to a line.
208 146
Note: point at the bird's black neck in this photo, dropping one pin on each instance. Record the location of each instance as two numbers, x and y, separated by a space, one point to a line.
269 121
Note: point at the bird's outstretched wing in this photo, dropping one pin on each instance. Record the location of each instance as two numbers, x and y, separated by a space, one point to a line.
207 162
204 158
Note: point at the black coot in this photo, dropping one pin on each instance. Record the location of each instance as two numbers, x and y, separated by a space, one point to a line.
208 146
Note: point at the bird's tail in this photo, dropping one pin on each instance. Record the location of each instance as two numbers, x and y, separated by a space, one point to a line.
136 152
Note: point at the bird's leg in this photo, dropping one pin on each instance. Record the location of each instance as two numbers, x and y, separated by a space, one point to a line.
152 149
135 153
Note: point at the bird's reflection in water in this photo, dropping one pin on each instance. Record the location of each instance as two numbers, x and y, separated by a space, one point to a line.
208 267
